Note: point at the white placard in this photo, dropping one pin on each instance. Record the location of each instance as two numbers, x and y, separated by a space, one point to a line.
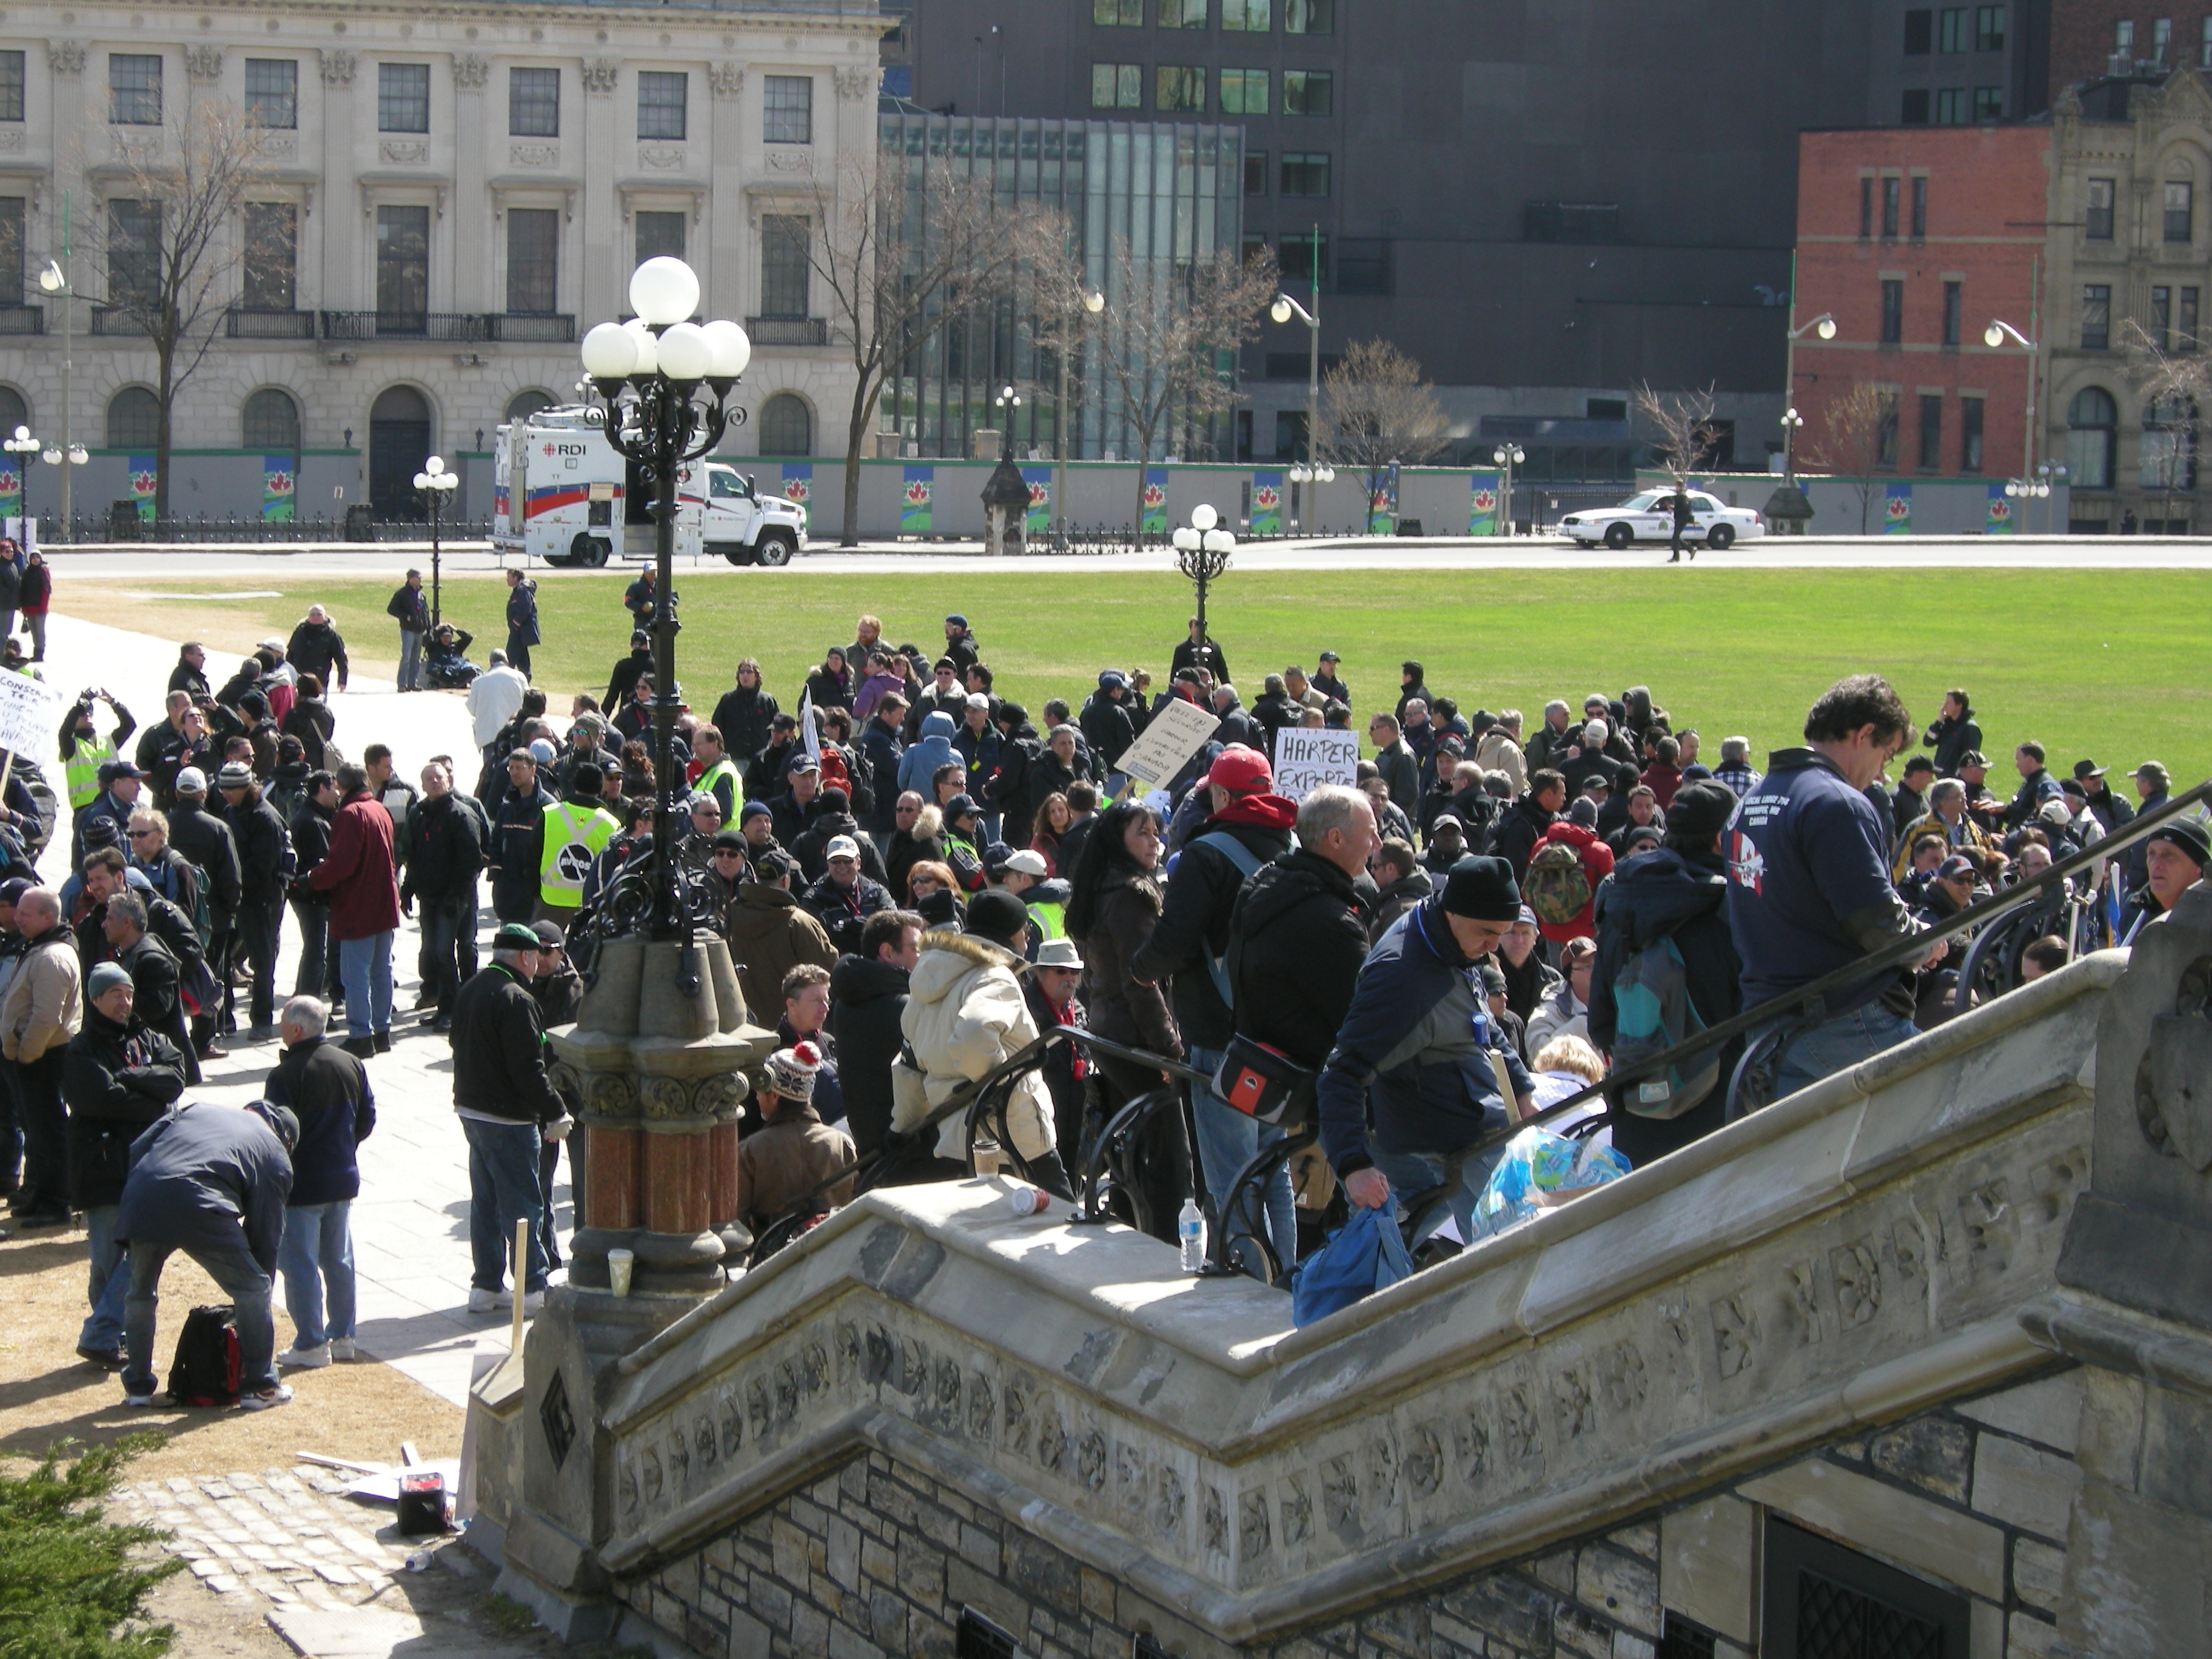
30 714
1177 731
1306 758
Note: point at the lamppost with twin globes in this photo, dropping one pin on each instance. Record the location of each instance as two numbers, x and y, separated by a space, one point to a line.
1509 455
26 448
665 382
436 485
1202 549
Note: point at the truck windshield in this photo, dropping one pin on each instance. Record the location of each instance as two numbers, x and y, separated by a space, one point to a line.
723 485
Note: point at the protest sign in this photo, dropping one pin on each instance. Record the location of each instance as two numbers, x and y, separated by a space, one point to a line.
1306 759
1178 731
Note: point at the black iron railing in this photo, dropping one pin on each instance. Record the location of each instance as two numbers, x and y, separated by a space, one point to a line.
788 330
241 323
22 320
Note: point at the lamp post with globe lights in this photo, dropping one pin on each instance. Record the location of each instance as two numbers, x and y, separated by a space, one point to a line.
1202 549
1824 327
1282 311
55 280
1076 322
1508 456
665 382
437 485
26 448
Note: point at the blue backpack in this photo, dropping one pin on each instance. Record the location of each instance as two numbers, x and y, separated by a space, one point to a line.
1652 1012
1363 1256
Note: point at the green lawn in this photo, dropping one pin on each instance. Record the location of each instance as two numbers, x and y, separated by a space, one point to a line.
2107 663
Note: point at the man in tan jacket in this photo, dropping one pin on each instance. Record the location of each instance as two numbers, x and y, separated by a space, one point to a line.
42 1011
782 1163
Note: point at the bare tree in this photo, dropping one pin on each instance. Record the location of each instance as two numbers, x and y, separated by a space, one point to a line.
1856 432
175 245
1378 412
896 269
1689 437
1166 331
2174 386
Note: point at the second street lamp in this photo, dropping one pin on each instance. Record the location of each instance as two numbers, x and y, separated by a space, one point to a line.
436 485
1508 456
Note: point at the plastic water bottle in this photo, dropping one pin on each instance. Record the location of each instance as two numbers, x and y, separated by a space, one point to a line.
1190 1229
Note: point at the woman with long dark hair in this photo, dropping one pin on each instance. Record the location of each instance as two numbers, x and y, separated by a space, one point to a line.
1113 907
1054 816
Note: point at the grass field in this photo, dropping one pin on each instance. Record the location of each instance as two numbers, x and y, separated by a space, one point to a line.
2106 664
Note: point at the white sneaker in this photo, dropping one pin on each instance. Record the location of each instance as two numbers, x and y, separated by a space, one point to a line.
342 1348
482 1301
279 1395
533 1302
141 1400
296 1357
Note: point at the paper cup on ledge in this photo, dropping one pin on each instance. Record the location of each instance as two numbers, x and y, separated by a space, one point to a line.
619 1263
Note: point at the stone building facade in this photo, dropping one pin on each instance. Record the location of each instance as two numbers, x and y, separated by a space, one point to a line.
462 193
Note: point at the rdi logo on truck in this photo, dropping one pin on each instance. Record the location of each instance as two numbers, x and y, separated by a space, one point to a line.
561 493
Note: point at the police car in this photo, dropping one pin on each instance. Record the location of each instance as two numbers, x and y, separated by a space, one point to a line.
1650 517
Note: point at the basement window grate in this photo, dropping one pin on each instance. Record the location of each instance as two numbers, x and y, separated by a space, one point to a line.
979 1638
1680 1639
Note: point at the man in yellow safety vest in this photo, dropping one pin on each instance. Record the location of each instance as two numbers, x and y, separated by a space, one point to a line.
718 776
576 829
82 748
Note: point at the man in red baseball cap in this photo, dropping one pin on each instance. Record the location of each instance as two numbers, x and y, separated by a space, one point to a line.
1247 825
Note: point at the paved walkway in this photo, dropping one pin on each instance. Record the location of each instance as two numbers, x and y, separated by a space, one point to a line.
410 1225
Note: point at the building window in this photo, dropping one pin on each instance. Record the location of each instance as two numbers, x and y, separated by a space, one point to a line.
1866 209
1179 87
1319 17
1304 259
2162 316
271 423
1885 432
1118 13
1989 103
12 254
2096 316
1255 172
663 99
2161 40
2093 422
134 253
272 92
1954 307
134 419
523 404
2124 38
1970 434
533 103
134 90
1931 432
1183 13
1244 92
402 98
1892 311
403 266
1250 16
270 258
788 101
2204 45
659 234
533 256
2185 324
2096 210
1254 247
1305 175
1989 28
2166 459
786 427
787 242
1920 206
11 86
1117 86
2180 210
1891 189
1919 32
1308 92
1914 110
1954 37
1951 108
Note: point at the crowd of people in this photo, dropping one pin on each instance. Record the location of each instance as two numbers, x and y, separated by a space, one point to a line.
916 876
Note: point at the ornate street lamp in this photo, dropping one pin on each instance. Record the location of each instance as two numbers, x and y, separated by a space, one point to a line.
665 382
1508 456
436 485
1202 550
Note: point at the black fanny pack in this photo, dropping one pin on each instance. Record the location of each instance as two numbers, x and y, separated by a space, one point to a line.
1264 1083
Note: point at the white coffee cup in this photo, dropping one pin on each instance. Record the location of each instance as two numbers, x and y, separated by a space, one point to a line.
619 1263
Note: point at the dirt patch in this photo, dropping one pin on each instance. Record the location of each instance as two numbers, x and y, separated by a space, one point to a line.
361 1411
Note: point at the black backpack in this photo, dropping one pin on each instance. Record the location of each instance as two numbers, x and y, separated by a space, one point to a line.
205 1370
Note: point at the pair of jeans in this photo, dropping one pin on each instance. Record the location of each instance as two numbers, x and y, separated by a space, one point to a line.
1227 1141
518 655
11 1133
440 961
365 965
317 976
109 1282
1838 1043
503 1189
410 660
549 1165
1411 1174
36 621
239 1278
257 930
316 1258
45 1189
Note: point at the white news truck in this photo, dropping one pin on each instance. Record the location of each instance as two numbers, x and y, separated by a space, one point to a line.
560 492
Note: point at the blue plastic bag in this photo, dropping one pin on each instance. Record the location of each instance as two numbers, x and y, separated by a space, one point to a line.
1361 1257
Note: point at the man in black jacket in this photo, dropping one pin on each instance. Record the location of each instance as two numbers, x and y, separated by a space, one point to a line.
1677 892
521 620
518 845
411 609
117 1077
311 841
153 974
1524 823
317 647
625 677
264 866
508 1109
445 853
206 840
190 675
328 1091
868 992
1298 935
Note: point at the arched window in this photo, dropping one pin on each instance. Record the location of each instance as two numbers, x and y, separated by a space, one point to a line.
272 422
2167 460
398 444
523 404
2093 419
15 412
786 426
134 419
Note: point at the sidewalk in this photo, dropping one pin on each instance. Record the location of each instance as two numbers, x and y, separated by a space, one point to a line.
411 1224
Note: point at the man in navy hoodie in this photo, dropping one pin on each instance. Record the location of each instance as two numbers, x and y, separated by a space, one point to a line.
329 1093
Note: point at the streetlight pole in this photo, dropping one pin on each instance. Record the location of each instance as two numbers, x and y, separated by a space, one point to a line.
1508 456
1310 471
1202 550
55 280
1994 336
1092 303
649 371
436 484
1825 325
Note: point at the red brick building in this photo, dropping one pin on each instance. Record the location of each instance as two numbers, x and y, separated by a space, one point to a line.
1914 239
2094 38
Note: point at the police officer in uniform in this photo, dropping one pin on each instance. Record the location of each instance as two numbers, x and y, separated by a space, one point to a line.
576 830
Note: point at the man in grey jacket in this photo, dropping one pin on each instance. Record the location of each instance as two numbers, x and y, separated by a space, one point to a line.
212 1182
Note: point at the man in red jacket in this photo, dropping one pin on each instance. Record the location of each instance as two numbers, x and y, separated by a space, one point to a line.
357 873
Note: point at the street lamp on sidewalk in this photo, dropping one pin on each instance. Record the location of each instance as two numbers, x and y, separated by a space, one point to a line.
1075 322
666 383
436 485
1824 327
1202 549
1508 456
1994 336
25 449
55 280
